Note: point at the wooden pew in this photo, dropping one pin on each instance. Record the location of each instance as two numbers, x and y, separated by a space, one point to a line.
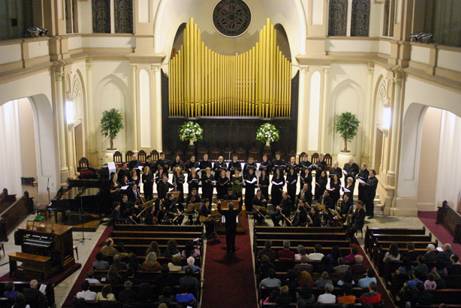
16 213
370 231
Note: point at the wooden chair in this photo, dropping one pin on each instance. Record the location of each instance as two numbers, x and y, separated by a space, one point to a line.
154 155
315 158
328 160
129 156
142 157
118 158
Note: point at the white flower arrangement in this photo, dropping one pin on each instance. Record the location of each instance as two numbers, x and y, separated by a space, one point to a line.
267 133
190 131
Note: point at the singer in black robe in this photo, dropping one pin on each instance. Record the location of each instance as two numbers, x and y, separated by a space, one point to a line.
362 176
250 185
292 182
207 185
148 183
222 184
370 194
320 185
278 181
263 183
205 163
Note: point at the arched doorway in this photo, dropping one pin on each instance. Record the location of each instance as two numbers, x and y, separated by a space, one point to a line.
45 148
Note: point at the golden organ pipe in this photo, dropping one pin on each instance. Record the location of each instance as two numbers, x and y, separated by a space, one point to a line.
254 83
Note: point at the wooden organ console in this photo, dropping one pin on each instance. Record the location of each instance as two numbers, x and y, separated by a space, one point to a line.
46 249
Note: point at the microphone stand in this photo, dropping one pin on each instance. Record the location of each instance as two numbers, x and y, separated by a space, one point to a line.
82 222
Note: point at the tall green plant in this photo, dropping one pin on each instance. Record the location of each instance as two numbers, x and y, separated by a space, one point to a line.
347 126
111 124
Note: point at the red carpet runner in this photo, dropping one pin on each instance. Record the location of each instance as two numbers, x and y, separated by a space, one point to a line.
439 231
230 282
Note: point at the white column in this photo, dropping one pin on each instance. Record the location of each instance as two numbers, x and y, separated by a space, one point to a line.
112 16
323 112
157 142
135 98
349 17
303 110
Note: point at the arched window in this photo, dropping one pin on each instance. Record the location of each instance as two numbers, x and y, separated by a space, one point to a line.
123 16
360 17
101 16
337 23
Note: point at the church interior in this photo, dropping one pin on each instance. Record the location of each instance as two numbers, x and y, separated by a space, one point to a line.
230 153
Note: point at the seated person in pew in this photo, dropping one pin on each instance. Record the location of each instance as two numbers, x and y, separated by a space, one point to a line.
264 267
304 265
100 263
270 282
268 251
327 297
86 294
127 295
284 298
455 267
191 265
189 282
393 255
150 263
302 251
175 264
108 250
323 280
365 281
185 298
34 295
105 294
347 297
316 255
371 297
358 268
286 254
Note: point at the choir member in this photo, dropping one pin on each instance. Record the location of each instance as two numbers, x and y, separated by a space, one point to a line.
250 185
222 184
205 163
134 177
263 182
237 183
177 162
191 164
306 177
235 164
193 179
351 168
292 182
114 185
250 164
362 177
265 165
320 185
207 185
278 181
349 188
370 193
163 186
162 162
133 194
148 183
219 165
278 162
305 195
336 170
293 164
335 187
179 179
304 161
259 199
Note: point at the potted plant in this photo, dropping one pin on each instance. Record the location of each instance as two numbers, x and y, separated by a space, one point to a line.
190 131
111 125
267 133
347 126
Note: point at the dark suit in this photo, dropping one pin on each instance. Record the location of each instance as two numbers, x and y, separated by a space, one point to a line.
231 228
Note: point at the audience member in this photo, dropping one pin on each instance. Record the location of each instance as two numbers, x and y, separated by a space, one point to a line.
20 301
189 282
191 264
151 264
430 283
323 280
316 255
365 281
346 297
392 255
286 254
371 297
127 295
303 265
105 294
301 252
100 264
267 250
86 294
34 297
270 282
327 297
108 250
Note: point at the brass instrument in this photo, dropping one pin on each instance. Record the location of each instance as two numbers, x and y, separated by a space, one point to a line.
255 83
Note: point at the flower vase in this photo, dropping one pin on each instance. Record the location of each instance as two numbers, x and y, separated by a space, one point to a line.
191 142
268 144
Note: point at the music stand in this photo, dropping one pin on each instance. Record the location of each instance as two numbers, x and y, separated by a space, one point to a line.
82 221
225 204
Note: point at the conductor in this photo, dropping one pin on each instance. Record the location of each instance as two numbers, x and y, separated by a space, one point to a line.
230 222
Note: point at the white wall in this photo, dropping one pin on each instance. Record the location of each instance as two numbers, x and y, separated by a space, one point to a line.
111 88
449 165
347 90
172 13
27 139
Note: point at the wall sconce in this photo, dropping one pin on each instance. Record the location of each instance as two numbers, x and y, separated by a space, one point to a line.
70 112
387 117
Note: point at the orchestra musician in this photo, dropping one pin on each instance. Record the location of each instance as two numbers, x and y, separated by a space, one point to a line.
163 186
357 219
260 207
305 194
